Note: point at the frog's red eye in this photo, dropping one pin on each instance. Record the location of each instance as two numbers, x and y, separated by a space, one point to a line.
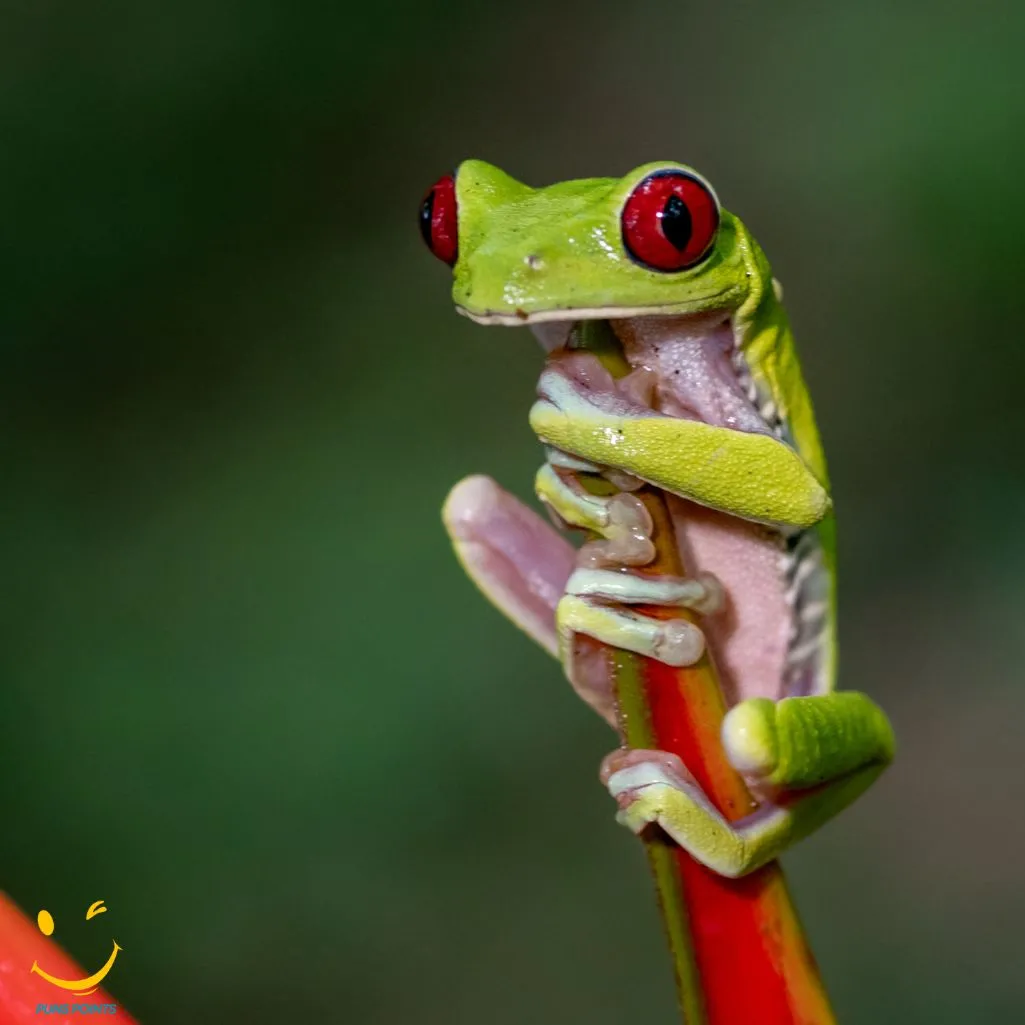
438 221
670 220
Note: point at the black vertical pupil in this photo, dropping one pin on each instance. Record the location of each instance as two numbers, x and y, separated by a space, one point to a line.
676 222
426 219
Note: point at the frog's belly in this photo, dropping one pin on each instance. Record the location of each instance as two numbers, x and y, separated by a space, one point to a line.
750 638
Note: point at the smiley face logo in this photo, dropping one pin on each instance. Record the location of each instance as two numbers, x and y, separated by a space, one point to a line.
83 987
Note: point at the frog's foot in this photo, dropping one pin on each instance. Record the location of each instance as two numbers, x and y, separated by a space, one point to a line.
645 783
673 641
593 605
522 565
834 746
621 521
595 593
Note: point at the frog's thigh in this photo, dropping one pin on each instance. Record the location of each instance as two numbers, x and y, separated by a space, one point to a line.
754 476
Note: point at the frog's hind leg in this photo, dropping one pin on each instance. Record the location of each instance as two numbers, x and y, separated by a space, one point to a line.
808 758
522 565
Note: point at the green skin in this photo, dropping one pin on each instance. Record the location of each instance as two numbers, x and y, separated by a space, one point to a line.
530 256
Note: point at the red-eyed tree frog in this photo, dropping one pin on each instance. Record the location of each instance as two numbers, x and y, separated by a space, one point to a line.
714 412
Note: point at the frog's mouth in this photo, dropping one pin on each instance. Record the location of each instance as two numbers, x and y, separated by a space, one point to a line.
723 298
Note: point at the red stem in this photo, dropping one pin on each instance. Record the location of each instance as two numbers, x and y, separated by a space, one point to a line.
739 952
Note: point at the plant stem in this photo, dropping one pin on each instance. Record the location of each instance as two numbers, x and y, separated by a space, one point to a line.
738 949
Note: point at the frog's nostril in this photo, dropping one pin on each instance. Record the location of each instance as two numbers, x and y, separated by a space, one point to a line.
533 261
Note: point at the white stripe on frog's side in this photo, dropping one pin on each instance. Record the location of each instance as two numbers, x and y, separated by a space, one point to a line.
760 398
805 577
810 600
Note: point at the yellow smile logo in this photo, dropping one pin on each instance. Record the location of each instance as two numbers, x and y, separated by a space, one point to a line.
83 987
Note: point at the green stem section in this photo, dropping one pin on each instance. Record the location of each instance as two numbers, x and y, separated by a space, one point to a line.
636 732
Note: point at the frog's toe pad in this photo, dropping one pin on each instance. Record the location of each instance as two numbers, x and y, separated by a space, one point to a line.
750 738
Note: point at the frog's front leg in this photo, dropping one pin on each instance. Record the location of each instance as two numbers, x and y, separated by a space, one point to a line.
751 475
809 757
595 594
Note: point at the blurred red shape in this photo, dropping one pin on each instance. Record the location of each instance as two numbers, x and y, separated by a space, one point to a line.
27 997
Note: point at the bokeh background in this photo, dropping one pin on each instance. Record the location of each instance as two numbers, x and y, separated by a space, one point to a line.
248 697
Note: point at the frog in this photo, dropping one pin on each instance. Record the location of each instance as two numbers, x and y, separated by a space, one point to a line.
714 412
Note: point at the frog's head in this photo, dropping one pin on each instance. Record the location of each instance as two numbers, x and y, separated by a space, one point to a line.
654 242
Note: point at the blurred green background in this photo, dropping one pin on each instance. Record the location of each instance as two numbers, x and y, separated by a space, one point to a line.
248 697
